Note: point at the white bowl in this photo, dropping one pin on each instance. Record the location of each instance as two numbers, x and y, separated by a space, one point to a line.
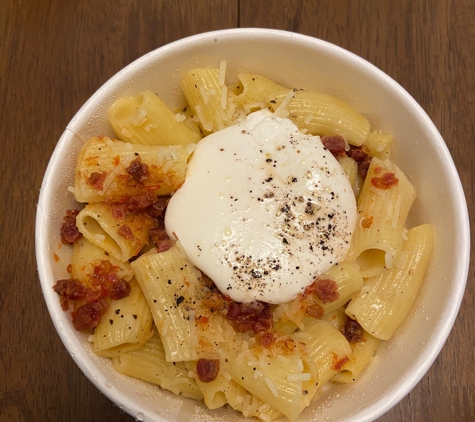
293 60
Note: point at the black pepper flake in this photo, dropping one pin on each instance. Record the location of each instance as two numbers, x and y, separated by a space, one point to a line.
169 282
135 316
256 274
179 300
111 321
117 311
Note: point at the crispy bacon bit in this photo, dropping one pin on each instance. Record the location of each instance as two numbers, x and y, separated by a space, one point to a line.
71 289
207 369
119 211
140 202
126 232
266 340
214 302
363 166
69 230
157 209
338 363
353 331
335 144
120 290
104 282
138 170
252 308
367 222
158 234
64 303
88 316
202 319
385 181
358 153
252 316
105 274
160 238
96 180
315 311
164 246
326 290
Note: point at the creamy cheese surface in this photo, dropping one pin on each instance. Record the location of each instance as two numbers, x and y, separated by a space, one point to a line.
264 209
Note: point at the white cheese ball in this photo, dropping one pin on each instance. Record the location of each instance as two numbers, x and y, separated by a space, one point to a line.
264 210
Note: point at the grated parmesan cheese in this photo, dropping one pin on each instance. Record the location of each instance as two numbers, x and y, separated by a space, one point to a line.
204 94
224 97
265 417
377 191
388 259
140 118
180 117
299 377
308 119
202 119
282 111
222 72
272 386
124 163
148 127
99 237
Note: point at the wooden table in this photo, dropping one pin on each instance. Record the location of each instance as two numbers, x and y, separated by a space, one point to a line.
55 54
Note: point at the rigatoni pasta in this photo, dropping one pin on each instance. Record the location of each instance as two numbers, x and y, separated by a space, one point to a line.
162 320
110 170
146 120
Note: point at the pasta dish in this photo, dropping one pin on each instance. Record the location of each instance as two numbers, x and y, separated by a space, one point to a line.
245 250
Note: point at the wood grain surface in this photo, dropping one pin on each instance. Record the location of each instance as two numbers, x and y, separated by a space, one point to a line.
55 54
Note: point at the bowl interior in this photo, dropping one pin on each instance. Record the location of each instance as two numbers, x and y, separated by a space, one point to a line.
300 61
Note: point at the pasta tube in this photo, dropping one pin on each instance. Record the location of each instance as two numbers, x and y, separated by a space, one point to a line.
385 300
145 119
208 97
363 353
328 348
121 239
382 213
254 89
115 171
125 326
322 114
149 364
86 256
279 381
